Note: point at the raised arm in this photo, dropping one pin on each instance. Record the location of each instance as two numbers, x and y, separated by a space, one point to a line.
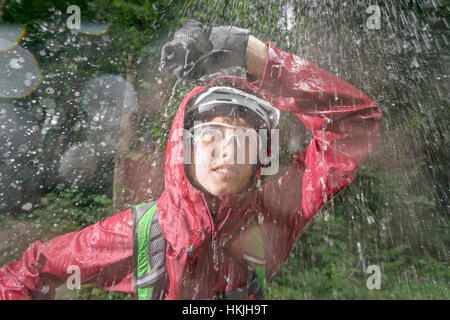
256 56
103 253
344 123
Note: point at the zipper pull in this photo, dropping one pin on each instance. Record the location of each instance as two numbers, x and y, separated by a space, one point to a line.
190 250
215 257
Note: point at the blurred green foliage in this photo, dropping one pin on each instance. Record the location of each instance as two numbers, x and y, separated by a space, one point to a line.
327 264
71 211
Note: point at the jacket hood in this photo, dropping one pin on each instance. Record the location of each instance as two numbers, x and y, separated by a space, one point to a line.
182 209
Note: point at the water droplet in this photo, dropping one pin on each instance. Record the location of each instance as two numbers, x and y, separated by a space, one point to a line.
260 218
45 289
54 120
27 206
16 63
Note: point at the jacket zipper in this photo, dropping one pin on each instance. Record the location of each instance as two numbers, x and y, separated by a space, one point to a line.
190 250
213 233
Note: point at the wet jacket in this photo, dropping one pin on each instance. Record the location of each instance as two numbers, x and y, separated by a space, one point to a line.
343 122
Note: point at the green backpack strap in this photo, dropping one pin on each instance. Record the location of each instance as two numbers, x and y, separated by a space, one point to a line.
148 252
149 257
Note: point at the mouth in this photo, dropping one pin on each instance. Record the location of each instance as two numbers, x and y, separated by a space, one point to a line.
226 170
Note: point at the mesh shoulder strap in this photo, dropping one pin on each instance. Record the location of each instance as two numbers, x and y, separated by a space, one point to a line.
149 253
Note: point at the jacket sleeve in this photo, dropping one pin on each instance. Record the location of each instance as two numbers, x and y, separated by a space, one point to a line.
344 123
102 253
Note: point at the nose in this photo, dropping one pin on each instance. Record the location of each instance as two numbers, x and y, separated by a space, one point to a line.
229 149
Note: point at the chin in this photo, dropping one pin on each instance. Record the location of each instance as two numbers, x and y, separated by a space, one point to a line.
218 191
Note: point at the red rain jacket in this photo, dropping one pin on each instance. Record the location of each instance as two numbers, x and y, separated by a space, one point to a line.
344 123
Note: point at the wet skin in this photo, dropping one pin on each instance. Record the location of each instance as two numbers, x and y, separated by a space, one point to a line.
216 169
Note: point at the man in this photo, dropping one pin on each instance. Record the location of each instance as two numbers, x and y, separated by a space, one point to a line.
223 235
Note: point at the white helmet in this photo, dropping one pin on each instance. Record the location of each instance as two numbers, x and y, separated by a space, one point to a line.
231 102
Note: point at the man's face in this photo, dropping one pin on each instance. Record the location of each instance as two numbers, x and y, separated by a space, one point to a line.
216 167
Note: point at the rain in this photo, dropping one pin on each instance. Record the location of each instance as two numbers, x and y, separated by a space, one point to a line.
86 114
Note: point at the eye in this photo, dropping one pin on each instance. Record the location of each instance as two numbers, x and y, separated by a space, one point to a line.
208 135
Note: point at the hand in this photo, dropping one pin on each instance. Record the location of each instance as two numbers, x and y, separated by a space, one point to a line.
197 50
188 45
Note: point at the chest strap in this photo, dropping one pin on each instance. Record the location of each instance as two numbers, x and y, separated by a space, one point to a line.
150 271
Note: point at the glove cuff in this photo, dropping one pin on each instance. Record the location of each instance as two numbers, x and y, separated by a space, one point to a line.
231 39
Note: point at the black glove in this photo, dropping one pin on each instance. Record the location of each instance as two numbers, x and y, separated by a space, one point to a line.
197 50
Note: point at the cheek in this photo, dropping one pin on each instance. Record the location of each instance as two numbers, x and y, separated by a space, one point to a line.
199 172
247 172
203 156
200 164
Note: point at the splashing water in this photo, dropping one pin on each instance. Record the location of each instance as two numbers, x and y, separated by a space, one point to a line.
64 96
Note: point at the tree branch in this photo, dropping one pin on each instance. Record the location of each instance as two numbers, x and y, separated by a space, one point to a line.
2 7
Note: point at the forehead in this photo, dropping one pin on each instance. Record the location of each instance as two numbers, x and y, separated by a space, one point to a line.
231 120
